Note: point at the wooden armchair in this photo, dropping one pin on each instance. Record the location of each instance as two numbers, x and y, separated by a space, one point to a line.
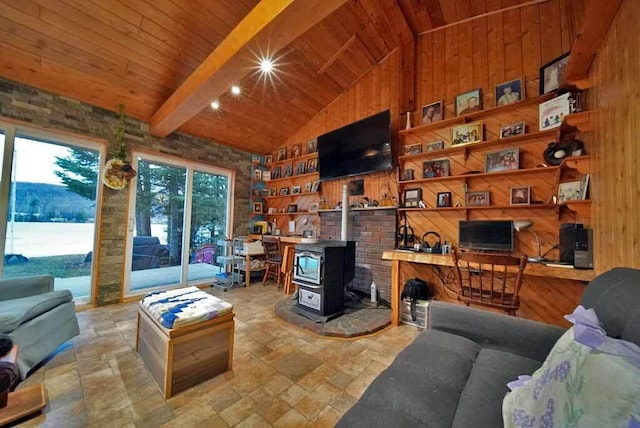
492 280
273 260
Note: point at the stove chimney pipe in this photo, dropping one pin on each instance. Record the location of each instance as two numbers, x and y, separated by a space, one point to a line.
345 213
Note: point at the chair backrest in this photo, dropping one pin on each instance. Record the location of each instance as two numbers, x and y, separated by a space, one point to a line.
487 279
271 247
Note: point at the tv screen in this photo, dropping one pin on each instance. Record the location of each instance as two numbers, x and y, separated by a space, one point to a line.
494 235
359 148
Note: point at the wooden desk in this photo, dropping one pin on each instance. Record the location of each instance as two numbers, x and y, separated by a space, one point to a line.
396 257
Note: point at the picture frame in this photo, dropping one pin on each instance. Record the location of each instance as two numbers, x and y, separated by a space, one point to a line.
315 186
413 149
307 187
510 92
477 199
466 133
292 208
281 154
356 187
435 168
295 190
296 150
301 168
433 146
257 207
433 112
268 159
313 208
287 171
443 199
312 165
407 175
552 73
553 111
469 102
257 175
584 186
312 145
513 130
569 191
520 195
272 191
412 197
284 191
502 160
275 173
266 175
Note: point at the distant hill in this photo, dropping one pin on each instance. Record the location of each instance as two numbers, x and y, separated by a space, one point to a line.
50 202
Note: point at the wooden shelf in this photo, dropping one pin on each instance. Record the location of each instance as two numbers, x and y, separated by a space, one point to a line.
292 214
293 160
577 122
293 177
484 207
466 177
476 115
292 195
581 207
579 163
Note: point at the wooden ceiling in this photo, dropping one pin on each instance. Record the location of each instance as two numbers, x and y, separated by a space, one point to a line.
138 52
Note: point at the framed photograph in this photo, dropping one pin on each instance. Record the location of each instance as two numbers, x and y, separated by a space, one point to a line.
256 193
312 165
312 145
413 149
503 160
356 187
552 74
432 112
288 171
434 146
520 195
313 207
443 199
412 197
407 175
307 187
435 168
477 199
296 150
295 190
268 159
257 207
510 92
315 186
284 191
275 173
469 102
569 191
266 175
257 175
301 168
467 133
584 186
281 154
272 191
512 130
553 111
292 208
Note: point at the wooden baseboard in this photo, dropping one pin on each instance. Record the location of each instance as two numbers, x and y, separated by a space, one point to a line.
23 402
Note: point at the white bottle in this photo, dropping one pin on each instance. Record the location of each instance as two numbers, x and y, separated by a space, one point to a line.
374 293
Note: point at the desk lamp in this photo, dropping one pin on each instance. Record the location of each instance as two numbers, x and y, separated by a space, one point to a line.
521 225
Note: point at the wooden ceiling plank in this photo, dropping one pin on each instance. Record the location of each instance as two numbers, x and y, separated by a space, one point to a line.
377 17
118 11
338 54
271 24
394 15
207 17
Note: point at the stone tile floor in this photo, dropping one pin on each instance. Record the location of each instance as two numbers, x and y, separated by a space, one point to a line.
282 376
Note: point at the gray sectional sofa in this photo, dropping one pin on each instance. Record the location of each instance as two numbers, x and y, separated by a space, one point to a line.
455 373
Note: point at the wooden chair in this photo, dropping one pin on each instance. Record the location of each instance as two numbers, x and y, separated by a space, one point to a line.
287 268
486 279
273 260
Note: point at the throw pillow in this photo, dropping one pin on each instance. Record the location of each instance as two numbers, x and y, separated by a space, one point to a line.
588 380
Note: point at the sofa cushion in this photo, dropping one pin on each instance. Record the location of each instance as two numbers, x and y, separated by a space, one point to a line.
480 404
18 311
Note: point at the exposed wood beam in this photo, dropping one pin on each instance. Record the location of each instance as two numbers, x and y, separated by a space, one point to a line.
338 54
269 27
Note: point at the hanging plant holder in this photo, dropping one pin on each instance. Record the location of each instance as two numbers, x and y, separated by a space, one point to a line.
117 171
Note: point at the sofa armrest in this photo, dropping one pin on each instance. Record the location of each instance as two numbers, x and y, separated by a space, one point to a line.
26 286
523 337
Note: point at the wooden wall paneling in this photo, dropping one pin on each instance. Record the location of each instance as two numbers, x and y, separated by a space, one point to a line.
531 58
495 38
425 74
465 57
452 64
550 31
512 45
480 54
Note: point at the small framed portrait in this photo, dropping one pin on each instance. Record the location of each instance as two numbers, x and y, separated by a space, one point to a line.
313 207
432 112
268 159
356 187
552 74
307 187
412 197
256 193
284 191
288 171
443 199
272 191
477 199
467 133
281 154
413 149
296 150
512 130
315 186
257 175
434 146
503 160
295 190
569 191
275 173
520 195
312 145
407 175
435 168
469 102
301 168
266 175
312 165
510 92
292 208
257 207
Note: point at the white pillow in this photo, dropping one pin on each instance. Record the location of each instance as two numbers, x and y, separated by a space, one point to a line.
588 380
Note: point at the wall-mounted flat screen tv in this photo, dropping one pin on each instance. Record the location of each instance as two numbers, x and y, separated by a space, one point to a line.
496 235
359 148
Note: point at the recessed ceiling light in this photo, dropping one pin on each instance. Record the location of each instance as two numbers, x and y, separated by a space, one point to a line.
235 89
215 105
266 65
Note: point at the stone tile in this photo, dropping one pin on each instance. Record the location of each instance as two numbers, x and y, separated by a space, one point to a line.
292 419
313 403
327 418
238 411
62 384
254 421
278 384
340 379
343 402
295 366
293 395
223 398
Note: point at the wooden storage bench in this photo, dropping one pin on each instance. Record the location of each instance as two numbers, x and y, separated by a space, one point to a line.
180 358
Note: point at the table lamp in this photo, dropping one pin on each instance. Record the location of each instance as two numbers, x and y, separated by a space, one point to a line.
521 225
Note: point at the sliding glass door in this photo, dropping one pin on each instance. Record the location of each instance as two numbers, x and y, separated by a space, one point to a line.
173 196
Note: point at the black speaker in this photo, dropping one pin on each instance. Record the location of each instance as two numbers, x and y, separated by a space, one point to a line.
567 243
